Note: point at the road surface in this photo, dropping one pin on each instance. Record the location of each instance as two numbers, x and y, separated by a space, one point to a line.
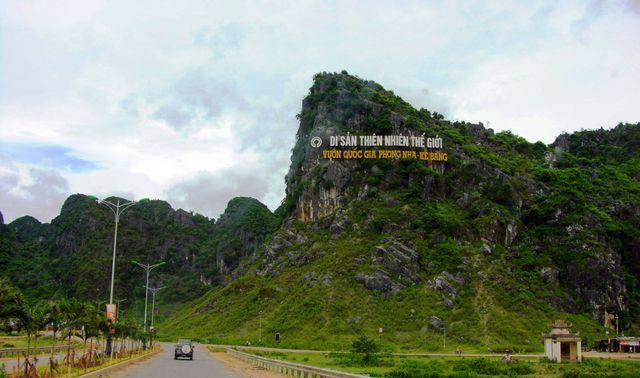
163 365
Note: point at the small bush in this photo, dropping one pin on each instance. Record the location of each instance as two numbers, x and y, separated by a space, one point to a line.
479 366
364 351
415 369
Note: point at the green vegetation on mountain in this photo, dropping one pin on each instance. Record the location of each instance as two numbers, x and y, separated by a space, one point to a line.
71 257
489 247
242 228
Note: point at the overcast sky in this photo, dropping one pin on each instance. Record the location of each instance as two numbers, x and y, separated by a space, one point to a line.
194 102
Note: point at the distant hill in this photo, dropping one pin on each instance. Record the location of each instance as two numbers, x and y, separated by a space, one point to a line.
72 256
490 245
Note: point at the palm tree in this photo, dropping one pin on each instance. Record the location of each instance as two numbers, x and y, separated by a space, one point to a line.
11 304
54 317
35 319
73 313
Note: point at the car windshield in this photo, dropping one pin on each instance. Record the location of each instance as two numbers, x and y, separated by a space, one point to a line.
183 342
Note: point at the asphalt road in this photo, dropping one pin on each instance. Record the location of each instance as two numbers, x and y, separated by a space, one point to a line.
163 365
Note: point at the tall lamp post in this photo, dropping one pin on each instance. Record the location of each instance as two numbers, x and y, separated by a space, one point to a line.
117 209
148 268
154 290
118 301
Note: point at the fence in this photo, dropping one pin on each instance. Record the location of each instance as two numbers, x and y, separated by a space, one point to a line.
12 352
289 368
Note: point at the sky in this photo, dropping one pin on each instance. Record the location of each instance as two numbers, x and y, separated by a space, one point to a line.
194 102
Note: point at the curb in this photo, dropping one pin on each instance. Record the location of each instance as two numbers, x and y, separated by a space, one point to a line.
104 372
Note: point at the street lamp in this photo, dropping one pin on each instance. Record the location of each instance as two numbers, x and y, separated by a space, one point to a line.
153 301
153 310
148 268
118 301
117 209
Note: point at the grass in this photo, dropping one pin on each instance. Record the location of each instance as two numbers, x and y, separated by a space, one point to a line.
415 367
21 341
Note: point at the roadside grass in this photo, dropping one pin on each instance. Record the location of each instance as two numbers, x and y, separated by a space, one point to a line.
21 341
416 367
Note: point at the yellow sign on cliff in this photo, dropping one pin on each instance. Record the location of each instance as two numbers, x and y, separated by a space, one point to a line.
393 147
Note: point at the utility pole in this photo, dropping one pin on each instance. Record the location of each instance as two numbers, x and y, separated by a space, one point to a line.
148 268
444 337
260 333
617 321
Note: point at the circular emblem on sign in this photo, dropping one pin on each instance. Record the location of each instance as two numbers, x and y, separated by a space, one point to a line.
316 142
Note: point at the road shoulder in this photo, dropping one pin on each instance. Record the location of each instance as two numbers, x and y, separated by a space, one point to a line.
242 367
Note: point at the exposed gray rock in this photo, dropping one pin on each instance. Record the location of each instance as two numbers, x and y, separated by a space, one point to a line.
447 302
311 276
327 279
379 280
510 234
443 286
183 218
485 249
401 261
436 322
278 243
550 275
442 283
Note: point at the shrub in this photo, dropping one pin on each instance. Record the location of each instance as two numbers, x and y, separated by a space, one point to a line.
364 350
479 366
415 369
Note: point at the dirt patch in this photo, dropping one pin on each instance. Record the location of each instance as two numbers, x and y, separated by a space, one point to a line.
244 368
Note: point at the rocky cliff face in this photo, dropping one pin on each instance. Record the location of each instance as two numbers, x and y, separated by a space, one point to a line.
339 104
241 229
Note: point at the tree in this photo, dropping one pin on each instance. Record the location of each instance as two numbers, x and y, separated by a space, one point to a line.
12 308
365 349
36 317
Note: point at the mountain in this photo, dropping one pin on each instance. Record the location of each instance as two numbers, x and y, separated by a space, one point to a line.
239 231
489 238
72 256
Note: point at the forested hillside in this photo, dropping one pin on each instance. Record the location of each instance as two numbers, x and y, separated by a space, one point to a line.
71 257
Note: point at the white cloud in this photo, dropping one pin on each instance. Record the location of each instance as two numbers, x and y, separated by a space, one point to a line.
584 80
30 191
174 99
